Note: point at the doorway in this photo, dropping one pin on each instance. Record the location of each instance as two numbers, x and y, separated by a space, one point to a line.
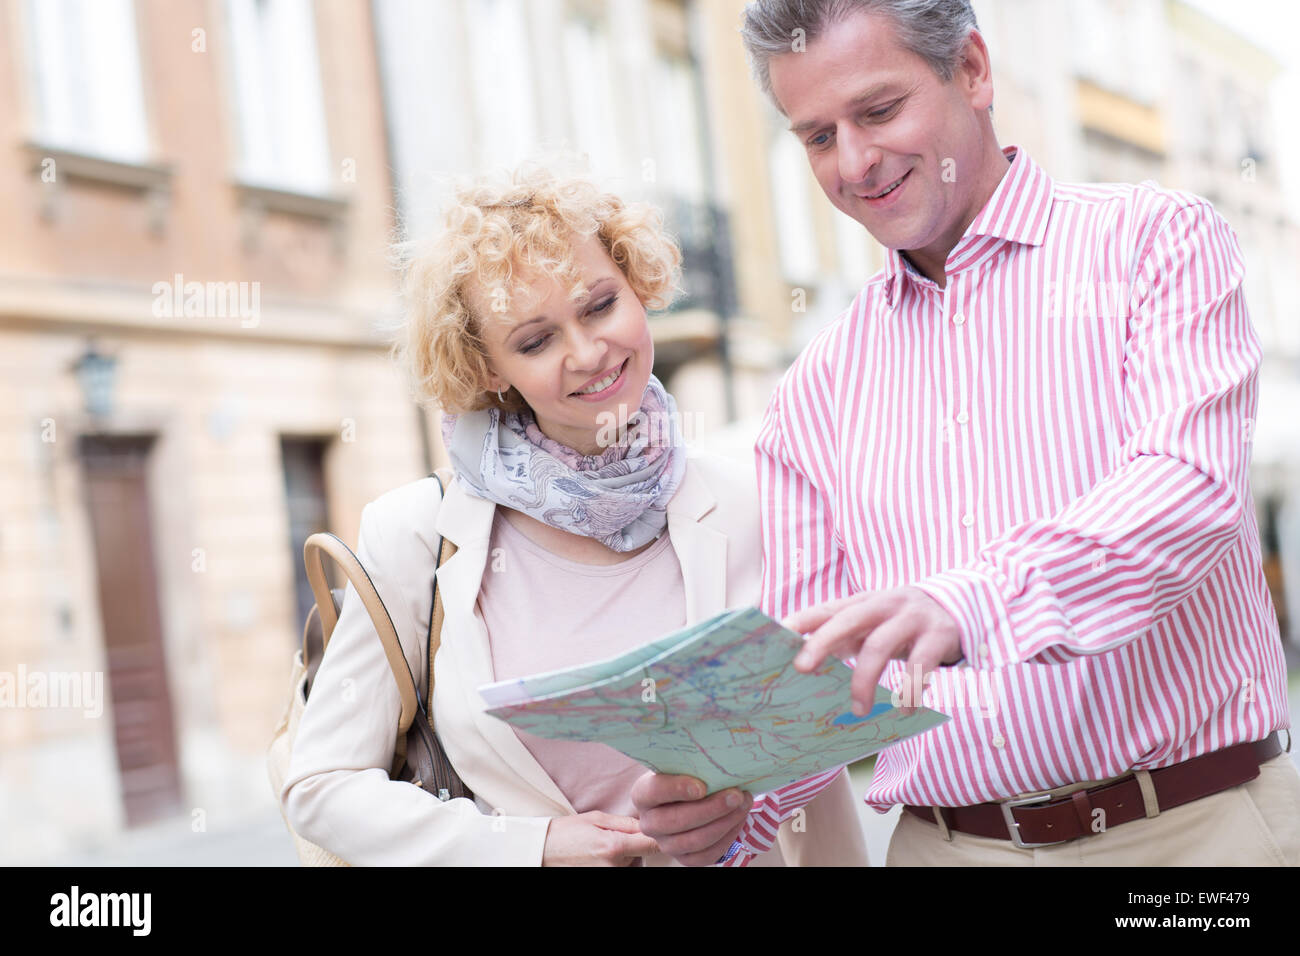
117 497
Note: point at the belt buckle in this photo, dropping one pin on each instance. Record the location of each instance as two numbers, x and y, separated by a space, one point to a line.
1013 826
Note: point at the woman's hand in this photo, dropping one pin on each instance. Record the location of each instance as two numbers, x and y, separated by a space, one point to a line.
595 839
693 829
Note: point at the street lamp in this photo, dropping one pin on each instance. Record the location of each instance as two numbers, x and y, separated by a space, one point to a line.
97 375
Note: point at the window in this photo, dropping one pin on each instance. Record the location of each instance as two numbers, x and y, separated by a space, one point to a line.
595 125
1119 45
677 129
504 114
85 61
427 108
278 102
792 206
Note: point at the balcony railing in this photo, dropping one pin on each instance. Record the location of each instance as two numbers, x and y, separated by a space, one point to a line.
703 232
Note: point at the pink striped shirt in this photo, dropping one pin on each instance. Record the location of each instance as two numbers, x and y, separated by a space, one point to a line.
1055 447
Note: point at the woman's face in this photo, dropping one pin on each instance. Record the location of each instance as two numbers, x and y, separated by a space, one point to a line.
581 366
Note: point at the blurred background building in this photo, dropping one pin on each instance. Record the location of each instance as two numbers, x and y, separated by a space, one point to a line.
195 293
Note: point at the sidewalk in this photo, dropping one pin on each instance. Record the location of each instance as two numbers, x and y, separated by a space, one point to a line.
259 840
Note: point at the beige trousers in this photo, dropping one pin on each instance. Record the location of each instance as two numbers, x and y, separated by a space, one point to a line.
1254 824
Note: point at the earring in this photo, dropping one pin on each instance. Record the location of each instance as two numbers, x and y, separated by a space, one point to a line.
500 398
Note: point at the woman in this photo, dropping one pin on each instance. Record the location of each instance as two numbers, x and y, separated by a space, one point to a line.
582 528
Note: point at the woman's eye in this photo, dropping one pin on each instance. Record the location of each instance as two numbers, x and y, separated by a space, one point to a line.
534 345
606 305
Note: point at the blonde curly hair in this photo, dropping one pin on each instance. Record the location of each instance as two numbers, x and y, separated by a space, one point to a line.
498 233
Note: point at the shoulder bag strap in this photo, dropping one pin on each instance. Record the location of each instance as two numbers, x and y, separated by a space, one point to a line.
322 543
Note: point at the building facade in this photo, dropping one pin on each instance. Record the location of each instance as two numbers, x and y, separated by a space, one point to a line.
192 375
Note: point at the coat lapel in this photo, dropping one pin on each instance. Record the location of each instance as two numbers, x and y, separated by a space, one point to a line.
467 521
509 769
701 550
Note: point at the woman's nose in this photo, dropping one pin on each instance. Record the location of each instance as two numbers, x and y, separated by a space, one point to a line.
586 352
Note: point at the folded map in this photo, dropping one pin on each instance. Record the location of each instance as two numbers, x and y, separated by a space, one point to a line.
719 700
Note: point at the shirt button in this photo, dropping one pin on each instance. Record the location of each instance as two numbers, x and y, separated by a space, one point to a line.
984 650
959 319
999 741
968 520
962 418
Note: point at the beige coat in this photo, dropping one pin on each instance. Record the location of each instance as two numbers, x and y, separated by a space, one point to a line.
337 793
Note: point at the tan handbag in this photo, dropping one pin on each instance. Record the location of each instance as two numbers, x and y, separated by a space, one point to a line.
418 756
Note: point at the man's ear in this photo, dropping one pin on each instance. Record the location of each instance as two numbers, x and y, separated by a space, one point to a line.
975 72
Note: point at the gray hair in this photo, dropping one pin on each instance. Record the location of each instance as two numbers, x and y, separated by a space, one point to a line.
935 30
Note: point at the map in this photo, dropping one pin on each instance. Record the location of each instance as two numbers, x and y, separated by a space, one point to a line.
720 701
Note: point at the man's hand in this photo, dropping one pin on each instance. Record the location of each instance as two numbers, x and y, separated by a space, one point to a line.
693 829
875 627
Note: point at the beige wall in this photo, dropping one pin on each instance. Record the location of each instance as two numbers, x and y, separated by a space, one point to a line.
216 393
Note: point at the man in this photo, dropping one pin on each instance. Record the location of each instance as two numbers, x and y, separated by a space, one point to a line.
1014 475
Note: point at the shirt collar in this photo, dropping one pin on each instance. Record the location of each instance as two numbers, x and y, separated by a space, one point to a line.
1016 212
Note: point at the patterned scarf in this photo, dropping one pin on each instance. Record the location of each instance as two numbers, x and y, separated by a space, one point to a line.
619 497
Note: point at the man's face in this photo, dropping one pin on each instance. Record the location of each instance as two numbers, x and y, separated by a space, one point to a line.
869 113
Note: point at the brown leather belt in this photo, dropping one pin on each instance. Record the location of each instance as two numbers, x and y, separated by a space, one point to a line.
1046 820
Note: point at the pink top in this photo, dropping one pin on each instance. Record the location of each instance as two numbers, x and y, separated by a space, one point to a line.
545 612
1056 448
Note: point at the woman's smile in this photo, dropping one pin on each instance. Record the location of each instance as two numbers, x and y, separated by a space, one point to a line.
607 384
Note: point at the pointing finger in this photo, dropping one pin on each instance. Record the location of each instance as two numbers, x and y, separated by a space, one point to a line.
811 618
843 634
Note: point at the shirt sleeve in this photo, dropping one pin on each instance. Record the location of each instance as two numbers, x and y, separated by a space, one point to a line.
770 810
803 565
1110 565
803 561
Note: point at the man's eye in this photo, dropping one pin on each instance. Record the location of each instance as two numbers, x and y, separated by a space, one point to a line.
821 139
884 110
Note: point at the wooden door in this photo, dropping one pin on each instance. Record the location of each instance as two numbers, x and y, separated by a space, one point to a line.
118 501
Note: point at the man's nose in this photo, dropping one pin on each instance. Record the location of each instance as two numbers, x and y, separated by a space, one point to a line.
858 155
